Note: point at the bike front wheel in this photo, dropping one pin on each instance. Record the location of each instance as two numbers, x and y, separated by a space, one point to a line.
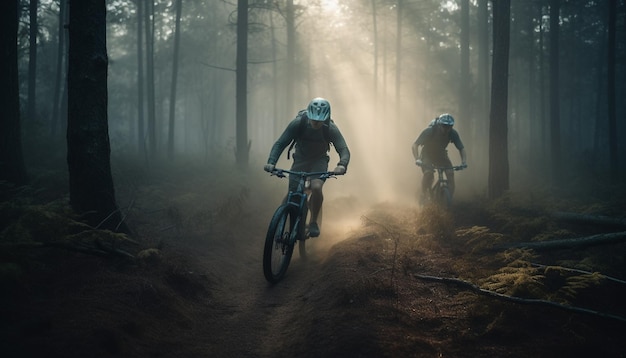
303 235
279 244
443 197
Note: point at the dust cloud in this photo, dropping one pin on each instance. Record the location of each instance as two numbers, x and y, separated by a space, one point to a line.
379 117
378 125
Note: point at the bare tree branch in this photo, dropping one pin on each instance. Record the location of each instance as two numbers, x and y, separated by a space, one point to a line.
580 242
477 289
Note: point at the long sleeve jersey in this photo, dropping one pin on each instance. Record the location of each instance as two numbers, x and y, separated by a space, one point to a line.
310 144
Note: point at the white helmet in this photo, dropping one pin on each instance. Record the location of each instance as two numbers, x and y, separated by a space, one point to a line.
445 119
318 110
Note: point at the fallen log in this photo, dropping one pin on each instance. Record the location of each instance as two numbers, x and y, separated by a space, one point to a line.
475 288
589 219
581 272
579 242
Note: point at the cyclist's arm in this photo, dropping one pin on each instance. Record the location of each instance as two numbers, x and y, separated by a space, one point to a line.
421 139
463 156
456 139
416 150
340 145
283 141
344 156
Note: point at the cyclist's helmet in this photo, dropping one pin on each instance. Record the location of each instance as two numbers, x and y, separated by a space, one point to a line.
318 110
445 119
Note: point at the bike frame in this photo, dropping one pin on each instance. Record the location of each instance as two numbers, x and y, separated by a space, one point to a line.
442 180
290 215
439 192
298 199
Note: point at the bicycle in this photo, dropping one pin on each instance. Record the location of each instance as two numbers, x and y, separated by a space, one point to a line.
288 225
439 193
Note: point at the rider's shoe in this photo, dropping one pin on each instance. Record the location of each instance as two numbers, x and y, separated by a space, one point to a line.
314 230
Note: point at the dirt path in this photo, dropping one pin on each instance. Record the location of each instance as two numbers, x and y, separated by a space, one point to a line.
255 318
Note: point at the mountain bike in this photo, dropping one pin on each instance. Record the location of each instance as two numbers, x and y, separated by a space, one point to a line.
439 193
288 225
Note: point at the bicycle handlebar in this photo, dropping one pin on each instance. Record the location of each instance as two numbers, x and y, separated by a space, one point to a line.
321 175
432 166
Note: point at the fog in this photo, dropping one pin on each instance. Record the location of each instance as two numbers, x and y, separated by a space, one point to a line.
379 103
341 66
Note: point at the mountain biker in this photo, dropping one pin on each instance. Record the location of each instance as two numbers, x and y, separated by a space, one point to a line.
312 131
434 139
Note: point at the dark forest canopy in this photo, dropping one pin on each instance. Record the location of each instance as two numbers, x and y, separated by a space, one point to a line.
384 81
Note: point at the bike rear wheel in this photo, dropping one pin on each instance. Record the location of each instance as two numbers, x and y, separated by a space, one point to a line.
279 243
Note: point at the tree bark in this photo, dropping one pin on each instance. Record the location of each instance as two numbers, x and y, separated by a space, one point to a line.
398 58
172 122
277 126
151 101
242 80
555 111
610 94
498 126
12 167
290 63
464 90
32 61
141 135
92 192
483 64
375 64
60 69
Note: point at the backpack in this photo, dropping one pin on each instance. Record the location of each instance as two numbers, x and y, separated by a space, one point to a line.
303 118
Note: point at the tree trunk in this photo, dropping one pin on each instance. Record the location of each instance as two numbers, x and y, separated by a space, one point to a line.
88 156
483 62
555 111
375 41
32 61
544 129
242 76
533 114
599 157
610 94
151 101
464 90
398 57
291 59
172 124
277 126
12 167
58 87
481 106
141 136
498 126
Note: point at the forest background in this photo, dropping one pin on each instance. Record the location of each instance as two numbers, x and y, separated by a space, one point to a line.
388 67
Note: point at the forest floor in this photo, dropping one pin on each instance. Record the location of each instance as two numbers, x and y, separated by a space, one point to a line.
375 285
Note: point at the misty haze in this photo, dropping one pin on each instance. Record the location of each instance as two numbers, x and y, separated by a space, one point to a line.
142 213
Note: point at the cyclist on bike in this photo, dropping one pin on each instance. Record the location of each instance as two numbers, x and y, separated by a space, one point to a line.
434 140
312 131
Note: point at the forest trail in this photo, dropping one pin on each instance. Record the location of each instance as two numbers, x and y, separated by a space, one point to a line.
256 318
204 295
